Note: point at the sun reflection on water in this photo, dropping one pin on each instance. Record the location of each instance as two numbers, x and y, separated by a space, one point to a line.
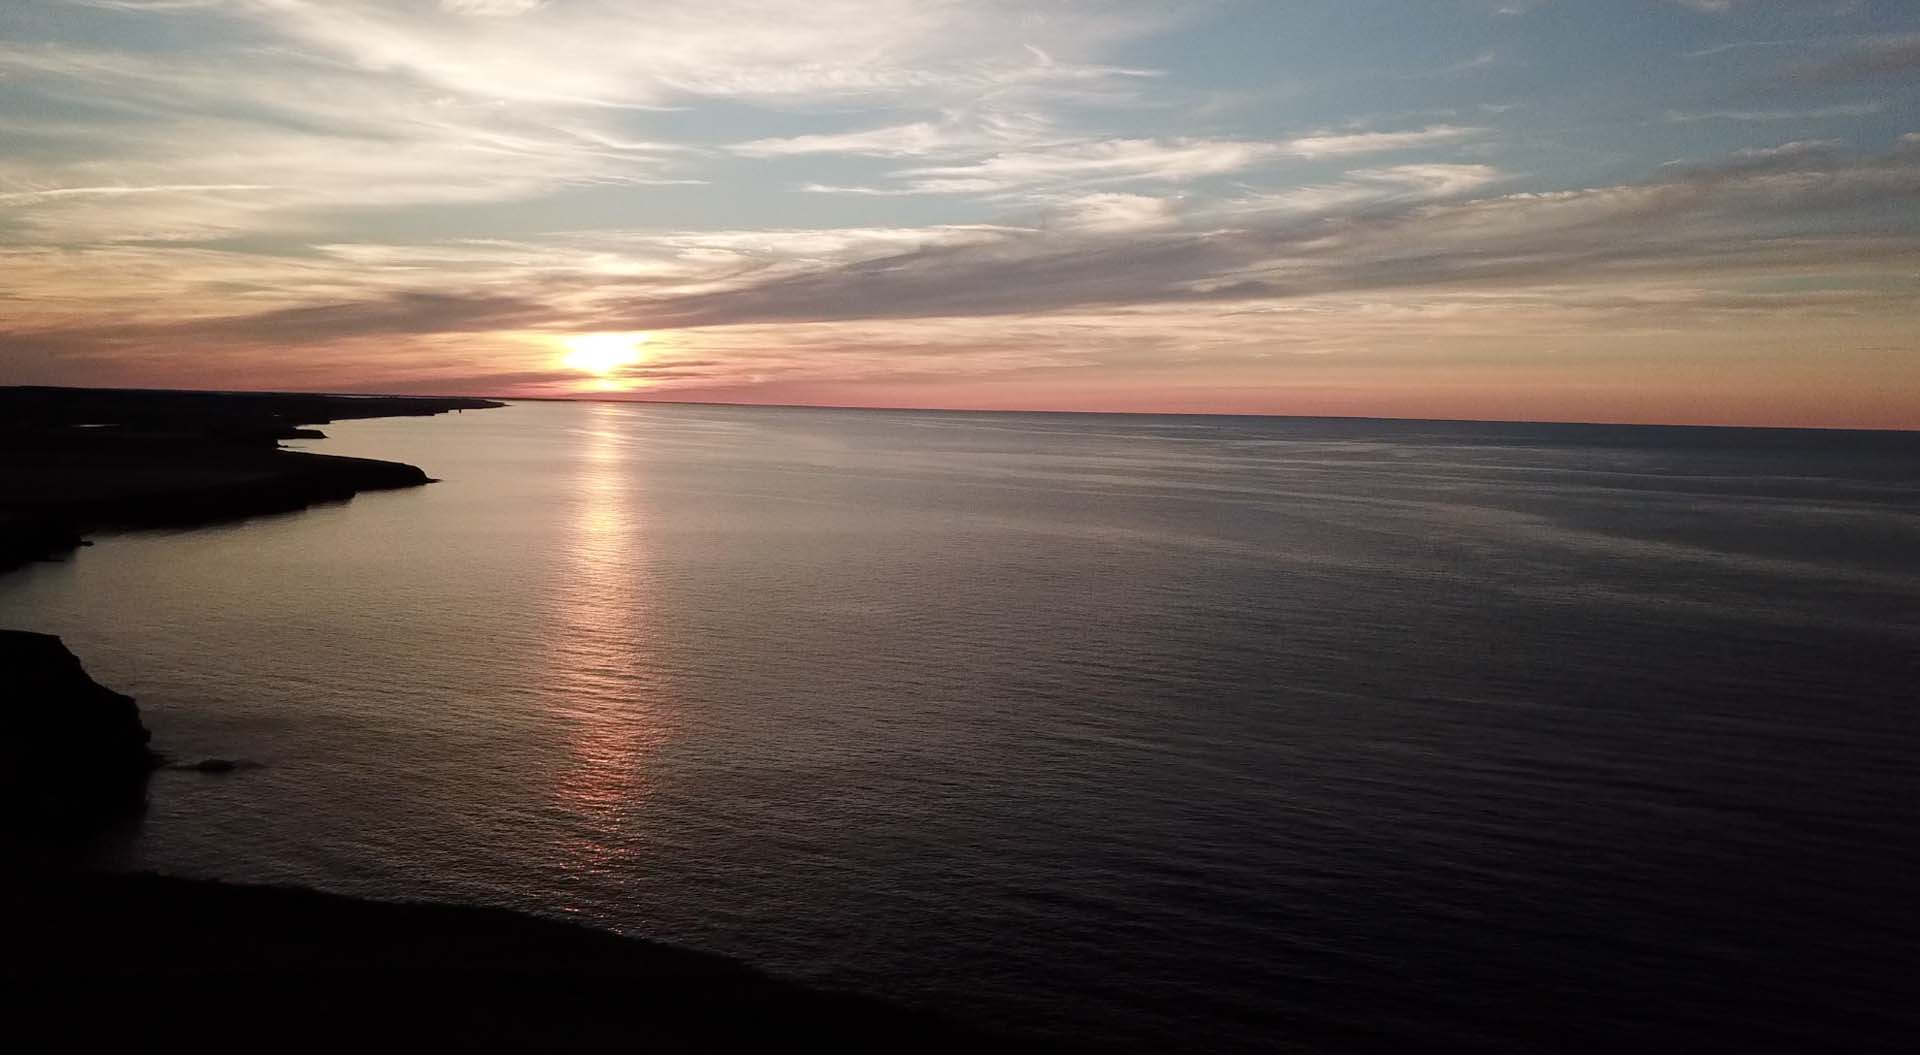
605 689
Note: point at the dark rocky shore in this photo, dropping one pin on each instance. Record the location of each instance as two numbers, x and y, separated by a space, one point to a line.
73 753
73 461
94 959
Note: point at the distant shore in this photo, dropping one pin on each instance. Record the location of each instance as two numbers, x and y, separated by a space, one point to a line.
74 461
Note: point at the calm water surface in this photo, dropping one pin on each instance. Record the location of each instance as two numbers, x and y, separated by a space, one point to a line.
1149 731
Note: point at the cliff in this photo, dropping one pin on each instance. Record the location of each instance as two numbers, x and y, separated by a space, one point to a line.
73 753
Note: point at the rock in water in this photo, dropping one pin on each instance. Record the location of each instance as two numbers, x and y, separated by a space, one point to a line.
213 765
72 751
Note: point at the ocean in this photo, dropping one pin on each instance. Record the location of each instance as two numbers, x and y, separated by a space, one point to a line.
1144 732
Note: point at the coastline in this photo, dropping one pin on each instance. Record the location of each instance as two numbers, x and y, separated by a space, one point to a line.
192 957
306 970
76 461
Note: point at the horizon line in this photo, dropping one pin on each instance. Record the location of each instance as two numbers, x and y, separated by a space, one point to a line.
981 410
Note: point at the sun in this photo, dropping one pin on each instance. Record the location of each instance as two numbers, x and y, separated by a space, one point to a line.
602 354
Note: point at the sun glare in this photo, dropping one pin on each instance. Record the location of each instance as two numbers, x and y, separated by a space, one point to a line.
602 354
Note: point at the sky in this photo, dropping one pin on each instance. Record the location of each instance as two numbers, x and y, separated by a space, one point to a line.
1701 211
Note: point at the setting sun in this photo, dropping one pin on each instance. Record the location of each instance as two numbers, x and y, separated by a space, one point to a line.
602 354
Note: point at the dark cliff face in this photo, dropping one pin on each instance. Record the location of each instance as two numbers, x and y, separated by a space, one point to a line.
72 751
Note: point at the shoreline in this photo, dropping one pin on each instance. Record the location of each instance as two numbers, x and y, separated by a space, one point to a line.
97 957
160 951
75 461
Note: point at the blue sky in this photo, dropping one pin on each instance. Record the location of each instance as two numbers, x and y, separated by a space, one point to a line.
1654 210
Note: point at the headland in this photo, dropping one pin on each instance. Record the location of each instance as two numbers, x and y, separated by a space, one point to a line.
74 461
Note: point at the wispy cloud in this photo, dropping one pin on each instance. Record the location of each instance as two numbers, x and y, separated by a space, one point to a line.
52 193
1818 113
1404 227
1895 55
1090 162
308 137
616 54
1737 45
910 140
975 130
1344 144
1713 219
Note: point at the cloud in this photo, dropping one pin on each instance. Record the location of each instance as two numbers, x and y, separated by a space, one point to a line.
1345 144
492 8
53 193
1087 162
1818 113
352 106
1415 227
1368 187
148 5
1110 212
400 313
1753 212
306 136
909 140
1888 56
617 54
1800 155
1737 45
962 131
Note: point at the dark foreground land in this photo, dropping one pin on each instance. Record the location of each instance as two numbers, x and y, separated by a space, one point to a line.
75 460
97 959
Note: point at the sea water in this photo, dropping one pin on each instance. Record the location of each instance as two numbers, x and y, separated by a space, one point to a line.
1143 731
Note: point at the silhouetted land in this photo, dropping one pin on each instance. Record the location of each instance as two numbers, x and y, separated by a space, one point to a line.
76 460
95 959
73 753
